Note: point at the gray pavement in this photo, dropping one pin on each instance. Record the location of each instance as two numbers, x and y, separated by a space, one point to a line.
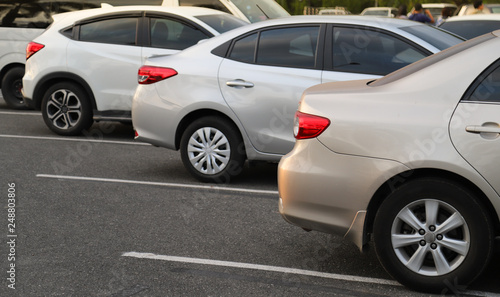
101 215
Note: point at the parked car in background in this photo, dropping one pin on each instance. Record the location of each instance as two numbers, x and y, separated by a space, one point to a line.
468 9
436 8
21 22
233 97
409 161
380 11
248 10
470 26
333 11
84 67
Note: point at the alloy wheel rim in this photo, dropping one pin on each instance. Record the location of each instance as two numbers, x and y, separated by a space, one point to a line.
64 109
430 237
208 150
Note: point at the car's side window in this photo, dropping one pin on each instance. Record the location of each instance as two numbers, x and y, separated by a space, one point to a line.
121 31
487 88
172 34
372 52
25 15
244 49
289 47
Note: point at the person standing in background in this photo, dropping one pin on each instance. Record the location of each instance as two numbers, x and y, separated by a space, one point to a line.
421 15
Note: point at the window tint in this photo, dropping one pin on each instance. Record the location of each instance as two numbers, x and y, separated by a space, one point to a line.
244 49
222 22
371 52
214 4
115 31
25 15
488 89
470 29
434 36
172 34
289 47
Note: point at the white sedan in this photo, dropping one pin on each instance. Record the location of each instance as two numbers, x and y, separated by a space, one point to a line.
233 97
409 160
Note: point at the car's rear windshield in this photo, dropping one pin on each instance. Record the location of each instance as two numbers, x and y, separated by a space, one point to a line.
470 29
421 64
222 22
438 38
260 10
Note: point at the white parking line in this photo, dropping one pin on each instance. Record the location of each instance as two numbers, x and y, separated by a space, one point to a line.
176 185
73 139
261 267
21 113
341 277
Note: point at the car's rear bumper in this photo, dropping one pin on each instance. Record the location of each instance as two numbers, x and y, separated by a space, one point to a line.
329 192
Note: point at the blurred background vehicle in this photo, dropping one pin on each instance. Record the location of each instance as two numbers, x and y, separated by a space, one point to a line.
244 86
84 67
468 9
470 26
408 161
436 8
380 11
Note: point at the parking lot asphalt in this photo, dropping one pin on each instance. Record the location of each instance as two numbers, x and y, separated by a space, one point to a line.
102 215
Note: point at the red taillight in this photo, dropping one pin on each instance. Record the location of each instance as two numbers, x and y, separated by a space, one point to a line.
308 125
150 74
32 48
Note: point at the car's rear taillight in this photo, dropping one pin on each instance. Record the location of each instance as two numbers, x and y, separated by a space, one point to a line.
32 48
308 125
150 74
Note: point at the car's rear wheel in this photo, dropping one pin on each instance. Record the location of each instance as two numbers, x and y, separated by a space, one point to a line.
66 109
12 84
432 235
212 150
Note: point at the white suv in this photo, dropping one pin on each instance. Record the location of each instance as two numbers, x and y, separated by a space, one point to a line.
84 67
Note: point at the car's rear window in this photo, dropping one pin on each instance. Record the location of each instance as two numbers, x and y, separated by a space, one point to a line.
417 66
222 22
438 38
471 29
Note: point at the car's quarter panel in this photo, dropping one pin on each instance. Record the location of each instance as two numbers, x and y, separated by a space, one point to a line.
113 90
316 193
159 108
266 109
44 63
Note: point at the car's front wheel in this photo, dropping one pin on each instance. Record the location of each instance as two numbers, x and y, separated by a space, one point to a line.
433 235
66 109
212 150
12 84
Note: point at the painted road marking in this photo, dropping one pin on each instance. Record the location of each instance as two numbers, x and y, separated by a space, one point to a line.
176 185
74 139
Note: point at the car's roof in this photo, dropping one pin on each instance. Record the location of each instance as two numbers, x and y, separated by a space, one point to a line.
378 21
67 18
379 8
475 17
437 5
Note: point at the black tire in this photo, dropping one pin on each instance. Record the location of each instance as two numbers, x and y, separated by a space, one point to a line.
472 234
12 84
66 109
226 157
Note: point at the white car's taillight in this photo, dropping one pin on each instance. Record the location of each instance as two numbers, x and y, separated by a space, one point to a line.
150 74
309 126
32 48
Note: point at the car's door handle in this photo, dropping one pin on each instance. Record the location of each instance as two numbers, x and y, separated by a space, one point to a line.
482 129
239 83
